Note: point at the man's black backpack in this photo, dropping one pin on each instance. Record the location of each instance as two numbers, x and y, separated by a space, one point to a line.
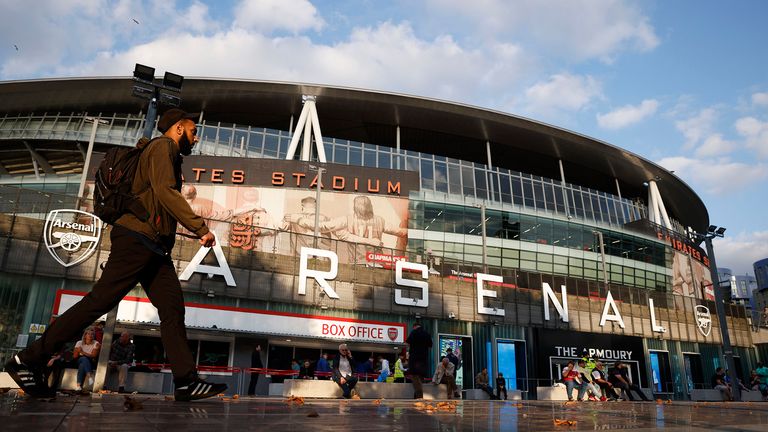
112 196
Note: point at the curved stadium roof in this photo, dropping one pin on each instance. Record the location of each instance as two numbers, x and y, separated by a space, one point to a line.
426 125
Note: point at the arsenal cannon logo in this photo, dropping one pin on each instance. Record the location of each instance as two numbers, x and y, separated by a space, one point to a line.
71 236
703 320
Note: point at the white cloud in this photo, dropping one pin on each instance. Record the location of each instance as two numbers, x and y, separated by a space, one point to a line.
760 98
266 16
387 57
695 129
715 176
628 115
577 29
715 145
562 92
755 132
738 252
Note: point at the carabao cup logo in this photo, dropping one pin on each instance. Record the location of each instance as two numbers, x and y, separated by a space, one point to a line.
703 320
71 236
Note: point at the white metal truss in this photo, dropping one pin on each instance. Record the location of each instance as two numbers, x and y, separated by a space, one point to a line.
309 123
657 213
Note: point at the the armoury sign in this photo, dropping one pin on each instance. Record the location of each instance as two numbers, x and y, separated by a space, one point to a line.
71 236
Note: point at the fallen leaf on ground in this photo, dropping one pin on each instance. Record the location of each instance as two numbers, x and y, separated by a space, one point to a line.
562 422
568 403
377 402
356 397
225 399
659 401
169 398
236 396
313 413
104 392
418 404
668 402
298 400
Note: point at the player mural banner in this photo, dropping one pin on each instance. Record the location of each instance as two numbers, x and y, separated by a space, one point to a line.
691 278
256 218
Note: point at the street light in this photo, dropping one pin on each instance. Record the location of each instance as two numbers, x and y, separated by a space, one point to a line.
167 93
714 231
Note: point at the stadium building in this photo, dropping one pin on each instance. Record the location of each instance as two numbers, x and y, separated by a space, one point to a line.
517 243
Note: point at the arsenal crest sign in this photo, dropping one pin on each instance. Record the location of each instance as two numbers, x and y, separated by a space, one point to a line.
71 236
703 320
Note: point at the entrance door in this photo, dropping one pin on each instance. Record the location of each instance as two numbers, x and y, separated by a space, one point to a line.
693 371
511 361
461 346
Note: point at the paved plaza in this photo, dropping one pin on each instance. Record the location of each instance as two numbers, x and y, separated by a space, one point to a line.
110 412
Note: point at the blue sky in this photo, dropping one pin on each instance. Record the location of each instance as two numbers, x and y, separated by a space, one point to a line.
683 83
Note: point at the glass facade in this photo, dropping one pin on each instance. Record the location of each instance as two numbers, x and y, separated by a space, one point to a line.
438 174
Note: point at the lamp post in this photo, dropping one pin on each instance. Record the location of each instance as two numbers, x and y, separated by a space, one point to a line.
712 232
168 92
317 200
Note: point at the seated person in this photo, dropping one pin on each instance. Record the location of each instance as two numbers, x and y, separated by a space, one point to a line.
606 388
481 381
86 352
342 371
619 377
501 386
718 383
444 374
54 369
121 358
306 371
572 379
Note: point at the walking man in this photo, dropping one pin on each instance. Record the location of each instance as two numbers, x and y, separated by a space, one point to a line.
419 343
140 254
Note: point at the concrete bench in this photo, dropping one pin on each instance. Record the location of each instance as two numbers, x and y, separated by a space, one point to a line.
711 395
477 394
366 390
6 381
142 382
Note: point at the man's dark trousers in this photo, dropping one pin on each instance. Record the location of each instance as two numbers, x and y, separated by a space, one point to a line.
130 262
349 384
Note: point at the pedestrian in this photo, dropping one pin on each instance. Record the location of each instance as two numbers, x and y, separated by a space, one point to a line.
342 371
481 381
718 383
400 367
419 343
625 382
445 374
121 358
323 367
256 363
140 254
501 386
384 373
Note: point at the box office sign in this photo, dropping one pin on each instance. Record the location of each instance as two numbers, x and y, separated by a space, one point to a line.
140 310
